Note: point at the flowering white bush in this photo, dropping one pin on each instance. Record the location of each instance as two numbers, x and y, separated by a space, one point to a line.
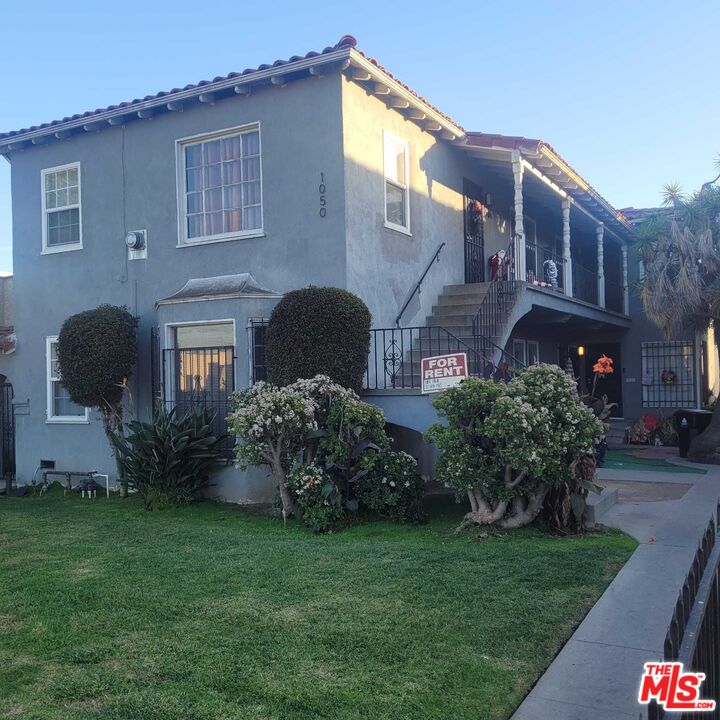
392 485
317 495
506 445
309 420
273 424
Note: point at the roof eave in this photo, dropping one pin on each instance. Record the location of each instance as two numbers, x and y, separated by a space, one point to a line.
345 59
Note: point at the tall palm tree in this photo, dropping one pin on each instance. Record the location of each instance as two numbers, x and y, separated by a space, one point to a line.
680 249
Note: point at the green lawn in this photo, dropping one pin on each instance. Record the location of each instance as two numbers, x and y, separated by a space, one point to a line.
623 460
107 611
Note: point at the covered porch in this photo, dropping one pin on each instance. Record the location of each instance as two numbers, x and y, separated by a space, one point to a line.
551 334
564 236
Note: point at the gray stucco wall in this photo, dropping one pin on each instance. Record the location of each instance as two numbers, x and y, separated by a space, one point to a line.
129 182
383 265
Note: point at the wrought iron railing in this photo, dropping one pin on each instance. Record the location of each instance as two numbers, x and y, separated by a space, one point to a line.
396 354
585 284
693 637
544 266
416 288
7 435
395 357
202 377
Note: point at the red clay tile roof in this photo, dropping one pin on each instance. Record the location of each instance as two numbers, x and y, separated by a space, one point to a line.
410 90
346 42
517 142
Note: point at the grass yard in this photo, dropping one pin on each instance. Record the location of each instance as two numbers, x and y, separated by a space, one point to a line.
107 611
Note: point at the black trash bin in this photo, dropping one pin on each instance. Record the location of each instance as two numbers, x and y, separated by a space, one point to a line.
690 424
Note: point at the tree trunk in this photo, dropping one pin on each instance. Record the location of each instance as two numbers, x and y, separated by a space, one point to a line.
526 511
705 447
113 425
288 504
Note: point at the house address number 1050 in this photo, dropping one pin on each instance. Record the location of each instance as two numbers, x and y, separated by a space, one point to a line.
321 191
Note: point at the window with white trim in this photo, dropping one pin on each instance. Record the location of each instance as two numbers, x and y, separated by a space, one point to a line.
60 408
257 332
397 188
220 188
61 208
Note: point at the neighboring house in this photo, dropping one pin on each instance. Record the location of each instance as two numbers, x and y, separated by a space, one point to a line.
8 342
7 317
199 207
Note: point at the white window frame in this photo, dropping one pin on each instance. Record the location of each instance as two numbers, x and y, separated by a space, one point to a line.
535 344
180 145
170 344
522 344
50 381
390 137
69 247
251 346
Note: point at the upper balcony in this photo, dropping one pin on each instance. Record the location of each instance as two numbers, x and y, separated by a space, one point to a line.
565 237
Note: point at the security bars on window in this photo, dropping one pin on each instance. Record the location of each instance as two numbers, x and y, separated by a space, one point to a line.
668 374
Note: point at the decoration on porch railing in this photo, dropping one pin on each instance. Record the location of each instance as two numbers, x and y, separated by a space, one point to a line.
550 276
477 213
500 264
668 377
551 273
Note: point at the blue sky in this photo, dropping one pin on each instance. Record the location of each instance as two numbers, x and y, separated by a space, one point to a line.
625 91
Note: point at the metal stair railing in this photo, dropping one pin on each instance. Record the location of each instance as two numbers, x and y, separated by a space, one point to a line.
395 357
495 307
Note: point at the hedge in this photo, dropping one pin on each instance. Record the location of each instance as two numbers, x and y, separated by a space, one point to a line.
318 331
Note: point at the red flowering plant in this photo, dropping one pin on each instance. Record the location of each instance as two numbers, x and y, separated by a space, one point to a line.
600 406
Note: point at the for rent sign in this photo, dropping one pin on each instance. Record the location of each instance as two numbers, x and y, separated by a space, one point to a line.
443 371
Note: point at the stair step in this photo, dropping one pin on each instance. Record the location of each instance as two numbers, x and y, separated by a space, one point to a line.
447 320
468 289
599 504
461 299
456 308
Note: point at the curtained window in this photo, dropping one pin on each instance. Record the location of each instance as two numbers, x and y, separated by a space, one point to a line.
222 192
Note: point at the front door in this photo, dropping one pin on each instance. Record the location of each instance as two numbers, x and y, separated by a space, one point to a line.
474 234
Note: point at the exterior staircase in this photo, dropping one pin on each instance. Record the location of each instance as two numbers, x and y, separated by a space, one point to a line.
472 318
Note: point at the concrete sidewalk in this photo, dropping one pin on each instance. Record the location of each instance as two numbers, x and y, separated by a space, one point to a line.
597 674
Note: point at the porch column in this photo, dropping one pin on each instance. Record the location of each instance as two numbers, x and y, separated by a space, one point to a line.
567 256
599 231
519 244
626 295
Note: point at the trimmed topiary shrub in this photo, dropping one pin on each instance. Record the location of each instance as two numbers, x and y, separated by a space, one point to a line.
97 352
318 331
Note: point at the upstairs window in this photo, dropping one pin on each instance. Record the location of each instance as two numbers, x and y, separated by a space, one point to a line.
61 209
397 189
220 193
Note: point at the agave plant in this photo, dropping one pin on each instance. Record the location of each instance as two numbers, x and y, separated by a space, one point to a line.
168 461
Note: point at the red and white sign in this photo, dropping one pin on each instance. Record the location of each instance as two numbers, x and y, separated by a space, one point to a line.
443 371
673 688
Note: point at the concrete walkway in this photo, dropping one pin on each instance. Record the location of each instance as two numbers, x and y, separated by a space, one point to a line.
597 674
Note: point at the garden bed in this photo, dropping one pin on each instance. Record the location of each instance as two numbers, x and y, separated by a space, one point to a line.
108 611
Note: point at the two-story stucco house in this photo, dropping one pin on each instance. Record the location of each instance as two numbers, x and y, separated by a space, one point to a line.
199 207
